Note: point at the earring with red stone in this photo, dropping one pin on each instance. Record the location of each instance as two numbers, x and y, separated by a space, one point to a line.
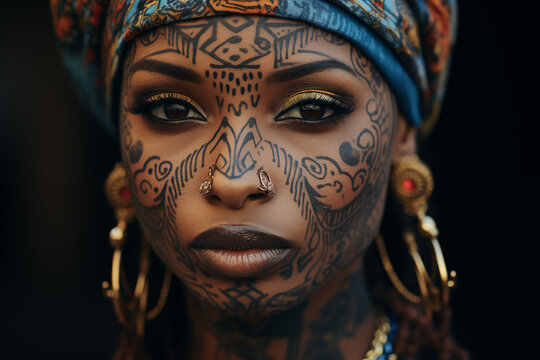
119 197
129 306
118 194
412 184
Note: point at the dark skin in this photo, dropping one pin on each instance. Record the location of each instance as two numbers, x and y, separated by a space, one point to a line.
250 92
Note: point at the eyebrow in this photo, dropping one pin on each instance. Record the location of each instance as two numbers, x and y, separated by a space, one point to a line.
298 71
175 71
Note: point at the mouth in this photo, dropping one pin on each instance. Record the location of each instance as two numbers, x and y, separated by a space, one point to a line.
239 251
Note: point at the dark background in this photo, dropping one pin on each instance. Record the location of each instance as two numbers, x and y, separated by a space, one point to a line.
54 220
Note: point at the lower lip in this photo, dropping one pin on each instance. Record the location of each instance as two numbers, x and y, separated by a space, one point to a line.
241 263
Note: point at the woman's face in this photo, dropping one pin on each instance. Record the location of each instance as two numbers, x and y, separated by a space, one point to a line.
244 93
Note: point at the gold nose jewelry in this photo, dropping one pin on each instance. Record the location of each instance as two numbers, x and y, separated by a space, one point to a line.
206 186
266 185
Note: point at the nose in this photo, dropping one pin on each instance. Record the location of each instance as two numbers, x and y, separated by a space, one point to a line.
235 192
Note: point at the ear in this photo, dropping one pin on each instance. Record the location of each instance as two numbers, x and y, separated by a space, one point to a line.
405 139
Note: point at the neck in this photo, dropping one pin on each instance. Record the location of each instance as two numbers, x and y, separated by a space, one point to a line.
336 322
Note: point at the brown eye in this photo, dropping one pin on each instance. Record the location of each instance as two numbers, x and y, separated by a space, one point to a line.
175 111
312 106
168 107
312 111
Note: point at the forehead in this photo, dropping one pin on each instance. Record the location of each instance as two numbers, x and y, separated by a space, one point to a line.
240 42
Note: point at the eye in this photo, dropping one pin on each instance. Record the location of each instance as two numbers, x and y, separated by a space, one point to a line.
168 107
314 106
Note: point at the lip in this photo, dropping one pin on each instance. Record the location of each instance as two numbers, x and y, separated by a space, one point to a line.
239 251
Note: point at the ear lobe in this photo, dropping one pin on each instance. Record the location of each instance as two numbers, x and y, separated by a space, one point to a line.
405 139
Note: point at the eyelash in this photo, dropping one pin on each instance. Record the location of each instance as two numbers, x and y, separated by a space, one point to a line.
325 99
149 103
146 104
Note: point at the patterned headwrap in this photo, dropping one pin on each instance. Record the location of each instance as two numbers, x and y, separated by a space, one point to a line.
409 41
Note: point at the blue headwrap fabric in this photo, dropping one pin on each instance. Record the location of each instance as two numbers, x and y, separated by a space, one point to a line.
408 41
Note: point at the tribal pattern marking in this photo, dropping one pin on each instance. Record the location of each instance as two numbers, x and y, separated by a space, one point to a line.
241 148
328 195
339 194
230 50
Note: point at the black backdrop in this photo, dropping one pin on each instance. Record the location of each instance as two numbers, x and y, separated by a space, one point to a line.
54 219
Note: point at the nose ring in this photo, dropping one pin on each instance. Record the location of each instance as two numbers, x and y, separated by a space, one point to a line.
206 186
266 185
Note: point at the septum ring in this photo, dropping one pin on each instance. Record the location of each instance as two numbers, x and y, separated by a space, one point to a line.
266 185
206 186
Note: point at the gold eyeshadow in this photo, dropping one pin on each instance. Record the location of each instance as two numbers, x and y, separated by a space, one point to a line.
311 95
148 102
321 97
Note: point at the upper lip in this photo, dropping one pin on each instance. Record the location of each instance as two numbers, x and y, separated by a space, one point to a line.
238 238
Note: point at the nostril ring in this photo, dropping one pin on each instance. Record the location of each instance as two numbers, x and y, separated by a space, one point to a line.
206 186
266 185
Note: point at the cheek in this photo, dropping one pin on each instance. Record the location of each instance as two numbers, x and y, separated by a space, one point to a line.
346 187
160 167
358 233
341 178
150 180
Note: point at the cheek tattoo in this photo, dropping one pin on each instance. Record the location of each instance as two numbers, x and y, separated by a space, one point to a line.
339 197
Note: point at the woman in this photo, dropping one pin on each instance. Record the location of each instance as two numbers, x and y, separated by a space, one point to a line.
258 142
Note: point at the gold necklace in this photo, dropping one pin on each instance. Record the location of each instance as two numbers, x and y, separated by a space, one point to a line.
379 339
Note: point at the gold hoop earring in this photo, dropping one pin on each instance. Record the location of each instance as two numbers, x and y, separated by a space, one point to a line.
207 185
129 306
266 186
412 184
